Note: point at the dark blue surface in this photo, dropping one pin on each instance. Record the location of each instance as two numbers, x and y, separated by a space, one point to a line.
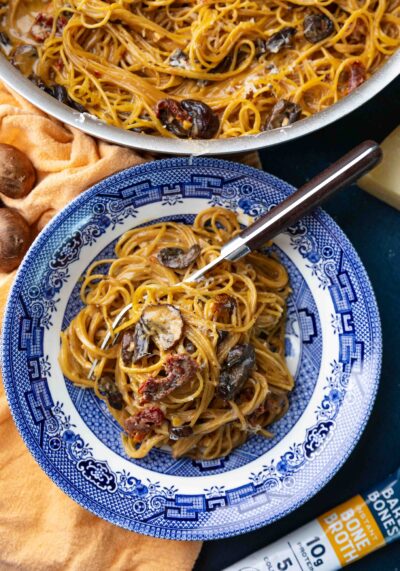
374 229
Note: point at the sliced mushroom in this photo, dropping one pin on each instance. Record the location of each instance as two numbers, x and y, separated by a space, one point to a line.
163 323
23 57
226 63
141 341
267 412
179 59
236 370
239 354
317 27
128 346
222 335
5 43
177 258
59 92
283 113
189 346
135 344
108 388
276 42
178 432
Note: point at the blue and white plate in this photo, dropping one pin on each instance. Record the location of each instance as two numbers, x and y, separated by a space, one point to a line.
333 346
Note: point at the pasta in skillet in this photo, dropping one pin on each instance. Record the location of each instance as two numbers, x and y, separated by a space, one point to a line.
199 68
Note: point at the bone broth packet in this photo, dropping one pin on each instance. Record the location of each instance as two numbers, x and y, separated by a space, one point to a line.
338 537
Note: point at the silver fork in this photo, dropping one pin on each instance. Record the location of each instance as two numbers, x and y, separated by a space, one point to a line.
341 173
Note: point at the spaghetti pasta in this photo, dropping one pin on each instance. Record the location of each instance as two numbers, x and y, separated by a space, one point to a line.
199 366
240 58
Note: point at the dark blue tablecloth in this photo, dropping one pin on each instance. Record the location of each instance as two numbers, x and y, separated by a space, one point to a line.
374 229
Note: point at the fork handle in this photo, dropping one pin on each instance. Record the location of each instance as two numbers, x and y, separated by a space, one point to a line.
341 173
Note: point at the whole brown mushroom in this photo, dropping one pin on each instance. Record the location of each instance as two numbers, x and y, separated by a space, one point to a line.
17 174
14 239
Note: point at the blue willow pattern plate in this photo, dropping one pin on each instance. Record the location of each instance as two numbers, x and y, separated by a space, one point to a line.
333 347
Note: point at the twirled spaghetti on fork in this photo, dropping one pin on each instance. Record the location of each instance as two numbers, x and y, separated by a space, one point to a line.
199 367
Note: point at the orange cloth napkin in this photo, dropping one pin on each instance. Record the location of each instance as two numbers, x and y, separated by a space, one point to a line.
42 529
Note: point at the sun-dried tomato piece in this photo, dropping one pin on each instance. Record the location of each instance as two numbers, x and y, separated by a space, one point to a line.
62 21
356 75
41 27
144 421
59 64
188 118
179 370
223 305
